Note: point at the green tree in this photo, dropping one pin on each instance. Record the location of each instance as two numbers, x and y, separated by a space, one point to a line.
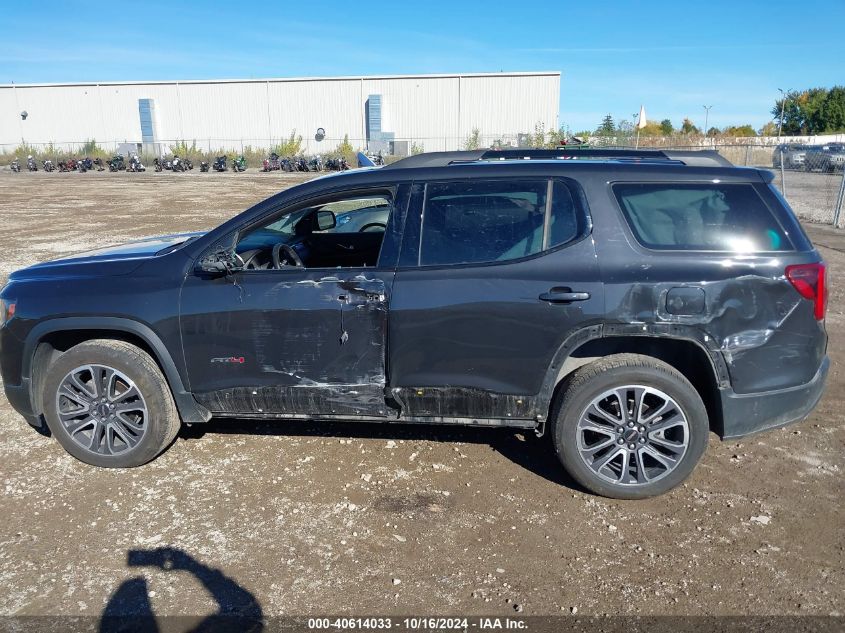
811 102
831 113
788 113
652 128
687 127
559 137
607 127
811 111
666 127
739 130
770 129
625 128
538 139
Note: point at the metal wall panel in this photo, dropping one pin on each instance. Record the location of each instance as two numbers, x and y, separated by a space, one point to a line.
504 105
303 106
434 111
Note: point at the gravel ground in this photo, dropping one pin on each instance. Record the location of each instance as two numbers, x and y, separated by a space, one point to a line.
306 518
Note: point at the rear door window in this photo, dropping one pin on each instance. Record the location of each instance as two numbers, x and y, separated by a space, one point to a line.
495 221
706 217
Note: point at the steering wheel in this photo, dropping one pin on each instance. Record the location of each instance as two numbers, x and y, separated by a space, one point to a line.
372 227
253 260
290 255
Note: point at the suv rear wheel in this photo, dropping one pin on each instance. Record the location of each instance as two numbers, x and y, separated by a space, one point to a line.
108 404
629 426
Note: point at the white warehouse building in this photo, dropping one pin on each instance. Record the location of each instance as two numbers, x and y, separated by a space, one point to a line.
394 113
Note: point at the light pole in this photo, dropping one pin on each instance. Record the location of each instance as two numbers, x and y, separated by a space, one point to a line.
782 108
635 122
706 118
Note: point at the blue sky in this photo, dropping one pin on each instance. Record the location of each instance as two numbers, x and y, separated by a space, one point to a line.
673 57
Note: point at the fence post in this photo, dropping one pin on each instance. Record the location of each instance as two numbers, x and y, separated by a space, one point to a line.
840 198
782 175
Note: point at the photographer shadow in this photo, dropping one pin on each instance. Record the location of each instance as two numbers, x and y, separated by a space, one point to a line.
129 607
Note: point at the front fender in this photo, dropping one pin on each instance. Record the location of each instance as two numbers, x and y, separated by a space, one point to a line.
189 409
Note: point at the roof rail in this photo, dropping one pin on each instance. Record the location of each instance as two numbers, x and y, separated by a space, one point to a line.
438 159
696 158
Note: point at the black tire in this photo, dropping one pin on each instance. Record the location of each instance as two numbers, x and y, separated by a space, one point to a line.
160 422
595 379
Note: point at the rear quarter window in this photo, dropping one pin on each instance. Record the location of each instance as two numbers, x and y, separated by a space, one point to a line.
705 217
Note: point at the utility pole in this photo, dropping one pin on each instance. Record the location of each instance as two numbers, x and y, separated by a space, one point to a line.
782 108
634 119
706 117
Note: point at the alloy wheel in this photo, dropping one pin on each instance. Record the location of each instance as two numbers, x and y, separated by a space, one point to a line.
633 435
102 409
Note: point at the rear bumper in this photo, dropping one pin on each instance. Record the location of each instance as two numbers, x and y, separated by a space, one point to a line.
743 414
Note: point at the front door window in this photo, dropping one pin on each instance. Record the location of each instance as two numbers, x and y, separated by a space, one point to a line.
338 233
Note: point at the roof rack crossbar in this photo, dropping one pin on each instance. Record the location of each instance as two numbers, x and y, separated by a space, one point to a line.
696 158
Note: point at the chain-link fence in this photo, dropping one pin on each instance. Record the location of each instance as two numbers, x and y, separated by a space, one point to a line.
811 176
812 179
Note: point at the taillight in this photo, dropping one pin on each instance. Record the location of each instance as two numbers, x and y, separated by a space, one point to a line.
809 281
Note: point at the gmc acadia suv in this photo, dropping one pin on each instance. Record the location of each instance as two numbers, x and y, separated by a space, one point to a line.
629 302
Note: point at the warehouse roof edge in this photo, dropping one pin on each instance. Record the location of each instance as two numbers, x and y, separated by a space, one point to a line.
541 73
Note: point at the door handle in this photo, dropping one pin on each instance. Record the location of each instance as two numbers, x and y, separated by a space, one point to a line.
563 295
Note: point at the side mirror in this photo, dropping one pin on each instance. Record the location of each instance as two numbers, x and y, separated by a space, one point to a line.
219 262
325 220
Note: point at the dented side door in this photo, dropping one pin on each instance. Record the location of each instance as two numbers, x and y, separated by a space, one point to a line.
293 343
296 342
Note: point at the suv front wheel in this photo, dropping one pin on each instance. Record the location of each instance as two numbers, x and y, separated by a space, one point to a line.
108 404
629 426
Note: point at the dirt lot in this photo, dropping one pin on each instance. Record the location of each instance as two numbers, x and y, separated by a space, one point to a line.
307 518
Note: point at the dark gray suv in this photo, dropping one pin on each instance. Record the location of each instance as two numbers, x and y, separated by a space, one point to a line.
627 303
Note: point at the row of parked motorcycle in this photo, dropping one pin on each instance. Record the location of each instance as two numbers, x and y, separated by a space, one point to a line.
116 163
221 163
276 163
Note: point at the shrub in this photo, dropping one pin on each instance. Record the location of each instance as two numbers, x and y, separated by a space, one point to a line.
183 150
290 147
473 141
90 148
345 150
21 152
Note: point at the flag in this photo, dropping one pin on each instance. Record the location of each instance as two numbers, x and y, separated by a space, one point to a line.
641 122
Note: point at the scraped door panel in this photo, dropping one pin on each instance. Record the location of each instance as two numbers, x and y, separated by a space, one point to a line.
477 341
298 342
